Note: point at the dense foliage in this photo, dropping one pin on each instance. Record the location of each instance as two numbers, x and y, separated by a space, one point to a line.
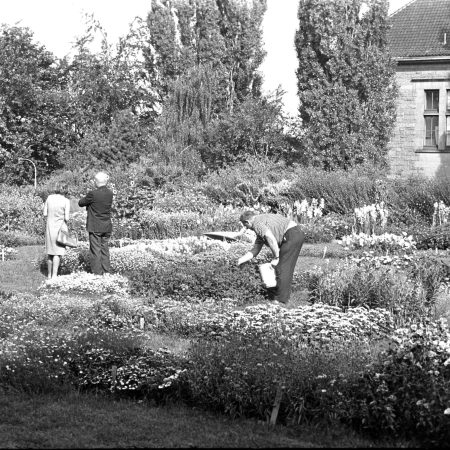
345 81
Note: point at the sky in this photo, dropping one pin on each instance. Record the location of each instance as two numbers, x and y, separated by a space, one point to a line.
56 24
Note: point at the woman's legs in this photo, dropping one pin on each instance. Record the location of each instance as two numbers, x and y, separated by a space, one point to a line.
56 259
49 266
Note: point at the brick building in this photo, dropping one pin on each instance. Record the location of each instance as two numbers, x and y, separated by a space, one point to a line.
419 40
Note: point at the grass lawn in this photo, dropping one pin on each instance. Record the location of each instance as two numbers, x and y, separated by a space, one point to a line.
72 420
20 274
88 421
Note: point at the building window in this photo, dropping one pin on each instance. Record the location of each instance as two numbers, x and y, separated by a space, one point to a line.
432 100
447 121
447 134
431 131
431 116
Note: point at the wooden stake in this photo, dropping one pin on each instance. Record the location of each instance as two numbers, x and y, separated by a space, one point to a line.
114 374
276 406
141 323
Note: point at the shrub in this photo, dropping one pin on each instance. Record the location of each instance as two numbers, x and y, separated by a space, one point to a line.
317 232
82 282
211 274
342 191
432 238
364 284
21 210
382 243
183 200
136 255
240 184
159 225
406 393
246 356
20 238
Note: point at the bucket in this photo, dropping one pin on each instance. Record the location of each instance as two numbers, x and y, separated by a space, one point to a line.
268 276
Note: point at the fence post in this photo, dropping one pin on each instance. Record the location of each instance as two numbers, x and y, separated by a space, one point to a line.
276 406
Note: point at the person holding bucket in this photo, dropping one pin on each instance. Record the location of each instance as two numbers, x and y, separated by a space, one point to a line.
284 238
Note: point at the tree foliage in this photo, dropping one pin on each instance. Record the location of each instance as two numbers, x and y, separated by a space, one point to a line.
345 81
222 34
34 106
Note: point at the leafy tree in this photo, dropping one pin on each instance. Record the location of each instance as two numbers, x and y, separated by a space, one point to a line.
111 80
34 106
222 34
112 99
345 81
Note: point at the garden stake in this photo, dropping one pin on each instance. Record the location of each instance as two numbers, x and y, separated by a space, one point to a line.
324 252
113 374
276 405
141 323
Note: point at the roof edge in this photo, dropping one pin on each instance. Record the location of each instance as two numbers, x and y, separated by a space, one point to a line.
402 8
421 59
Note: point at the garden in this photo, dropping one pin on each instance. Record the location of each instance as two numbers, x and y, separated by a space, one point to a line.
364 343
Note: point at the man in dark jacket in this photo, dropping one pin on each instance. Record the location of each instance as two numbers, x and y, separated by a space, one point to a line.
98 203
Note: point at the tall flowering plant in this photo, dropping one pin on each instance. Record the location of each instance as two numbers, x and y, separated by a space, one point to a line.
368 217
440 214
304 211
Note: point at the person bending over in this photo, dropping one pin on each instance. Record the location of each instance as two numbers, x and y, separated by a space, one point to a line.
285 239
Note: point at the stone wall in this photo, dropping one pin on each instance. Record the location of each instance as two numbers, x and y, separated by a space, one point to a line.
407 154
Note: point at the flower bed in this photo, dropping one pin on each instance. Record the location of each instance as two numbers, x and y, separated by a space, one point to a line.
82 282
7 253
383 242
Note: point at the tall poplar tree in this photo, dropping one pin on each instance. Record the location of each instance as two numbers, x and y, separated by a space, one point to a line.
345 81
224 35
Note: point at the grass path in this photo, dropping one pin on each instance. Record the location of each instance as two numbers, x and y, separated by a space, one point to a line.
21 274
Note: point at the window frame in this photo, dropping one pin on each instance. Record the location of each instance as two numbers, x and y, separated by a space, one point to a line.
432 114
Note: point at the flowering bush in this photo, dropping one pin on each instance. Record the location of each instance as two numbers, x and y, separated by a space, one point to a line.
83 282
406 392
383 242
21 210
316 324
185 200
263 348
20 238
339 224
210 274
440 213
7 253
365 284
136 254
369 217
161 225
435 238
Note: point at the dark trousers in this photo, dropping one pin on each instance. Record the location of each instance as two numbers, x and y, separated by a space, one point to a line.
98 245
284 270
